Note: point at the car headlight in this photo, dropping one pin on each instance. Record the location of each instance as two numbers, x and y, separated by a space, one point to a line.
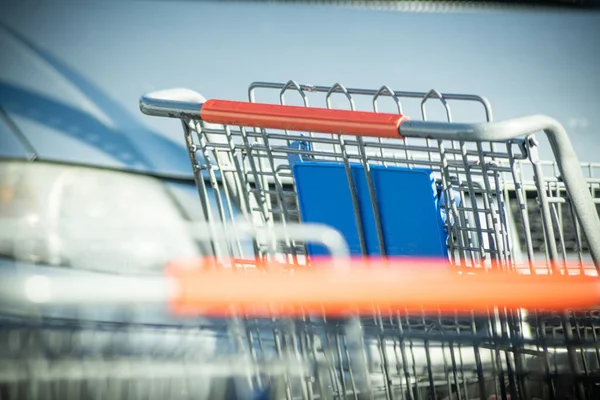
87 218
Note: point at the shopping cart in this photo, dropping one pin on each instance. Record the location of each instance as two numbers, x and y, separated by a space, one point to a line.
394 187
377 257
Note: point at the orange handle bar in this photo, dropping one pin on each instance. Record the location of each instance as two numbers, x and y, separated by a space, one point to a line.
422 287
309 119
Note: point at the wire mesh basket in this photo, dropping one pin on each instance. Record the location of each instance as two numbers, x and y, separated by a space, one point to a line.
351 254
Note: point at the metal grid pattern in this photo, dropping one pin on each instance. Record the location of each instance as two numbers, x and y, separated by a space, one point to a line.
496 224
569 240
398 357
424 356
508 353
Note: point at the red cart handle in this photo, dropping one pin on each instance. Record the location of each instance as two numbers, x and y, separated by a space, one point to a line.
390 286
307 119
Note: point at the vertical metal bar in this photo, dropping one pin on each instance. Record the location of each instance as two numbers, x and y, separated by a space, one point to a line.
199 181
242 194
594 337
502 223
455 369
372 196
449 203
544 205
252 350
572 355
259 181
466 236
280 193
580 339
233 186
497 369
308 351
577 239
255 202
280 354
398 362
445 358
341 364
349 360
412 355
544 342
521 196
556 214
215 188
348 170
404 357
387 91
494 238
385 363
432 388
330 355
512 354
461 361
278 186
518 320
476 353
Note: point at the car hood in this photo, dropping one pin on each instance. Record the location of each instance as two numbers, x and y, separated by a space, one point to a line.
53 112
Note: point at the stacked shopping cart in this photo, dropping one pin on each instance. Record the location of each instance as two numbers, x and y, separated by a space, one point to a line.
353 253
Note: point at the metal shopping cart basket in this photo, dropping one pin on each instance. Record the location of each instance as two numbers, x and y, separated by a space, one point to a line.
395 186
476 193
363 254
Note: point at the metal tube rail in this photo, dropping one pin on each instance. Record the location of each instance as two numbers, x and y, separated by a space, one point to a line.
172 104
312 233
368 92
